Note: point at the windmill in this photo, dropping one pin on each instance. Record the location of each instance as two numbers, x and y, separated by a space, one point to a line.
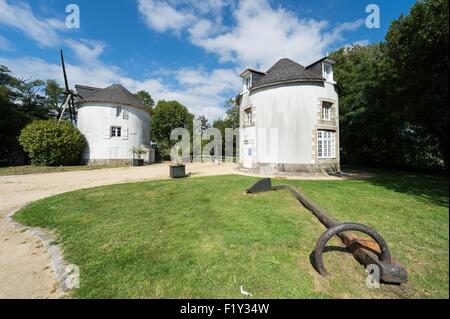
69 102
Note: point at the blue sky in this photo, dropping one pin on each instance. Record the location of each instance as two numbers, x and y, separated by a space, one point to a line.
178 49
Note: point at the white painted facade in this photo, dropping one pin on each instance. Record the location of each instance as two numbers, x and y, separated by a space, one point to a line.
282 134
96 122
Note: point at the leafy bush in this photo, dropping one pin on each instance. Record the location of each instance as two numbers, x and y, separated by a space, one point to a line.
48 142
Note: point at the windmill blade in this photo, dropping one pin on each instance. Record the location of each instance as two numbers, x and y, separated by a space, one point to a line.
70 100
64 72
63 107
72 106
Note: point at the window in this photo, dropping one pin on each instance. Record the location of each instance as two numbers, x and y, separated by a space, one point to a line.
247 82
118 111
326 144
116 131
248 117
328 72
326 111
125 114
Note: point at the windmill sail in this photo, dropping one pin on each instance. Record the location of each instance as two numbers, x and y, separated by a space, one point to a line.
69 102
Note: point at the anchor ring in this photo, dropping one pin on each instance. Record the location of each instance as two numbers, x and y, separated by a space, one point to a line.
385 255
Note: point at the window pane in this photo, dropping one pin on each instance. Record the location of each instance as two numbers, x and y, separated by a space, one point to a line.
326 141
326 110
319 148
333 145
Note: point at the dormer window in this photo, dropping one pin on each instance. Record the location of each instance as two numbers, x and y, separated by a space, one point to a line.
247 82
328 72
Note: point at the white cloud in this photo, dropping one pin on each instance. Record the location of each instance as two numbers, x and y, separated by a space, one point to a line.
200 91
34 68
262 35
20 16
259 35
86 50
161 16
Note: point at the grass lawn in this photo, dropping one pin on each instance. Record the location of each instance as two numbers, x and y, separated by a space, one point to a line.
36 169
204 237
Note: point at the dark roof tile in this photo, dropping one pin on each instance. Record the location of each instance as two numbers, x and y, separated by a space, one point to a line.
286 70
84 91
115 93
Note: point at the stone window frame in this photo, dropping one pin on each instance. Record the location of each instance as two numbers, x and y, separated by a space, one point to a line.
326 110
334 117
328 125
331 138
244 116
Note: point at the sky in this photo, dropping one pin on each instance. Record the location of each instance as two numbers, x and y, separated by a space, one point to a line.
190 51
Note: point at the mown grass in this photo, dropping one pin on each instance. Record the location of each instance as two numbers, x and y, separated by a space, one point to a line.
38 169
204 237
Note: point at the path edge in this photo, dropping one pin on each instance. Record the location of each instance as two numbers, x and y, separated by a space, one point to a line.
60 267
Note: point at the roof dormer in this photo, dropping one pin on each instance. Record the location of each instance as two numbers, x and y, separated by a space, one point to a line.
250 77
323 68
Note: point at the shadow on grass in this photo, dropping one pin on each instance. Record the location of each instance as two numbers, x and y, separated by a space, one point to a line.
429 188
326 250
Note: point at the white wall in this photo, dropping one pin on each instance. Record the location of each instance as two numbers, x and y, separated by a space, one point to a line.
293 110
94 121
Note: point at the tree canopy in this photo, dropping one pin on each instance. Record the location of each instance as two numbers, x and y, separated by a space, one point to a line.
146 99
394 95
169 115
21 101
231 120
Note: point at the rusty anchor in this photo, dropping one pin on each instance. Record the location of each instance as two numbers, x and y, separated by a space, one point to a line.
372 251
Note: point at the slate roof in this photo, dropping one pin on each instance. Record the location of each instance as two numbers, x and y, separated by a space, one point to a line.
84 91
286 70
115 93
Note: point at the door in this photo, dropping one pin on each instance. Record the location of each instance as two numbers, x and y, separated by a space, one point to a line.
248 156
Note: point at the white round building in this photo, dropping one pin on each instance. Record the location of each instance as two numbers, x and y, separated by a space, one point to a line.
113 121
289 119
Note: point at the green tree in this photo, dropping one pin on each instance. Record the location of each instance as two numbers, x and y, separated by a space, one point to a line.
203 122
232 112
367 131
167 116
146 99
29 99
417 57
394 95
54 98
231 120
20 103
49 142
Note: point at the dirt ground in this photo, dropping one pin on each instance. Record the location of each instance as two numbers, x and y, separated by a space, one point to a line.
25 270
